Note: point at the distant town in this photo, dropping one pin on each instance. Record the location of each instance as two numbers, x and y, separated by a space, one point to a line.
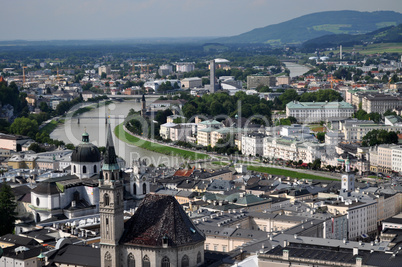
274 157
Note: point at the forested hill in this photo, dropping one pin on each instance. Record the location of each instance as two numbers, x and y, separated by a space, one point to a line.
392 34
314 25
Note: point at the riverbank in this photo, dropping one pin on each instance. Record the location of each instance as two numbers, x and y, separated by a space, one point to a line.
131 139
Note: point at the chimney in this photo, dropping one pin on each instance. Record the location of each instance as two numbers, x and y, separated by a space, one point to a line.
286 254
285 243
355 251
359 262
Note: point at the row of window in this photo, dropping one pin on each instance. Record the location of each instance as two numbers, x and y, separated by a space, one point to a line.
145 262
84 169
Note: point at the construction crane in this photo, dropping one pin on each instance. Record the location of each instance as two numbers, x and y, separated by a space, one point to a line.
23 74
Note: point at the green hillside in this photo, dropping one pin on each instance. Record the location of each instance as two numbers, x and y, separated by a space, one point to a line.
392 34
314 25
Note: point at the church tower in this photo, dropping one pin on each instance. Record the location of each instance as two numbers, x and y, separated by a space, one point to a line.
111 206
143 106
348 179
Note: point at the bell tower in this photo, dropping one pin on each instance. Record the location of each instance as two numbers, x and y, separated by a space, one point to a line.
111 206
348 179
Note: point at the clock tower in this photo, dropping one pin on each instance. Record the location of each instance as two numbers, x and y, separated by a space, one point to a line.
111 206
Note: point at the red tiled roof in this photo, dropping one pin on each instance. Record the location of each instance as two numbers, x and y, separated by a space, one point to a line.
184 173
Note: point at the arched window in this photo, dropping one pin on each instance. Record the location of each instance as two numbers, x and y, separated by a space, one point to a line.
84 169
108 259
37 201
199 257
75 169
146 262
118 199
107 176
165 262
134 189
37 217
130 260
185 262
95 169
106 200
144 188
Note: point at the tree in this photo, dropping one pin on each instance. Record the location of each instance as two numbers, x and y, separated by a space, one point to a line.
7 210
316 164
24 126
36 147
44 107
321 137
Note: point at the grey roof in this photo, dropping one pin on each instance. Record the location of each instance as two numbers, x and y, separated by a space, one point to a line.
18 240
86 153
77 255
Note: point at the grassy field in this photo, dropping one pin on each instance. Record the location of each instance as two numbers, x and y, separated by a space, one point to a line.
133 140
283 172
82 110
48 128
220 163
373 49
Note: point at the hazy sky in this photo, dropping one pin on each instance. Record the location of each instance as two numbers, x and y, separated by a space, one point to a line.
105 19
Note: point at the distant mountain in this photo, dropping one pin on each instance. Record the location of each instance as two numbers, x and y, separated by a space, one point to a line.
392 34
314 25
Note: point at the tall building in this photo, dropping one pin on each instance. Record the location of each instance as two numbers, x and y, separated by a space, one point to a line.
110 206
348 179
104 69
212 76
143 106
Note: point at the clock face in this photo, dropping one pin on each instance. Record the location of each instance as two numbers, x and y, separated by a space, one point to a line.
344 179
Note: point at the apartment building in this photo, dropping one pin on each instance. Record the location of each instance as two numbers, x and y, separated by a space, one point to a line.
224 133
252 144
380 103
354 130
290 149
396 158
362 216
310 112
254 81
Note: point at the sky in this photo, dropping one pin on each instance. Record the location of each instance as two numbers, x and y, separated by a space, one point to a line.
126 19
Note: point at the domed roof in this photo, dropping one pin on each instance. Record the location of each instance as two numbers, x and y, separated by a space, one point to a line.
86 152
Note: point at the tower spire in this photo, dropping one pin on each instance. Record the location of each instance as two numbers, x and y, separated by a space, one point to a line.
110 159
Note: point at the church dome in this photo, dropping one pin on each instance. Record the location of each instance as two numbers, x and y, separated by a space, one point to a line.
86 152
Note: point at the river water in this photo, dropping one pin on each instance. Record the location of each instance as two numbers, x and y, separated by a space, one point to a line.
94 123
296 69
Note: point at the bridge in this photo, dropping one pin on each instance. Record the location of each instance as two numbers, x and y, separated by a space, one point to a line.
106 118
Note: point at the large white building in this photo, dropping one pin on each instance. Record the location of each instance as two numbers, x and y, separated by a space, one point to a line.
291 149
252 144
354 130
310 112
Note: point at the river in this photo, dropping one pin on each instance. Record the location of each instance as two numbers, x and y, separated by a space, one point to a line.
296 69
71 131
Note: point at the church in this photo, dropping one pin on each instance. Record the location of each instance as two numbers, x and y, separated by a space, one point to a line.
158 234
77 193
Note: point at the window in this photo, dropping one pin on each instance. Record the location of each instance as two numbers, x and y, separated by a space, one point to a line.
118 199
95 169
199 257
84 169
165 262
108 259
146 262
144 188
37 201
106 200
185 262
75 169
130 260
134 189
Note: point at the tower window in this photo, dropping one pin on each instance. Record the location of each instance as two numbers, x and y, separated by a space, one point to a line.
144 188
134 189
95 170
37 201
108 259
106 200
75 169
84 169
